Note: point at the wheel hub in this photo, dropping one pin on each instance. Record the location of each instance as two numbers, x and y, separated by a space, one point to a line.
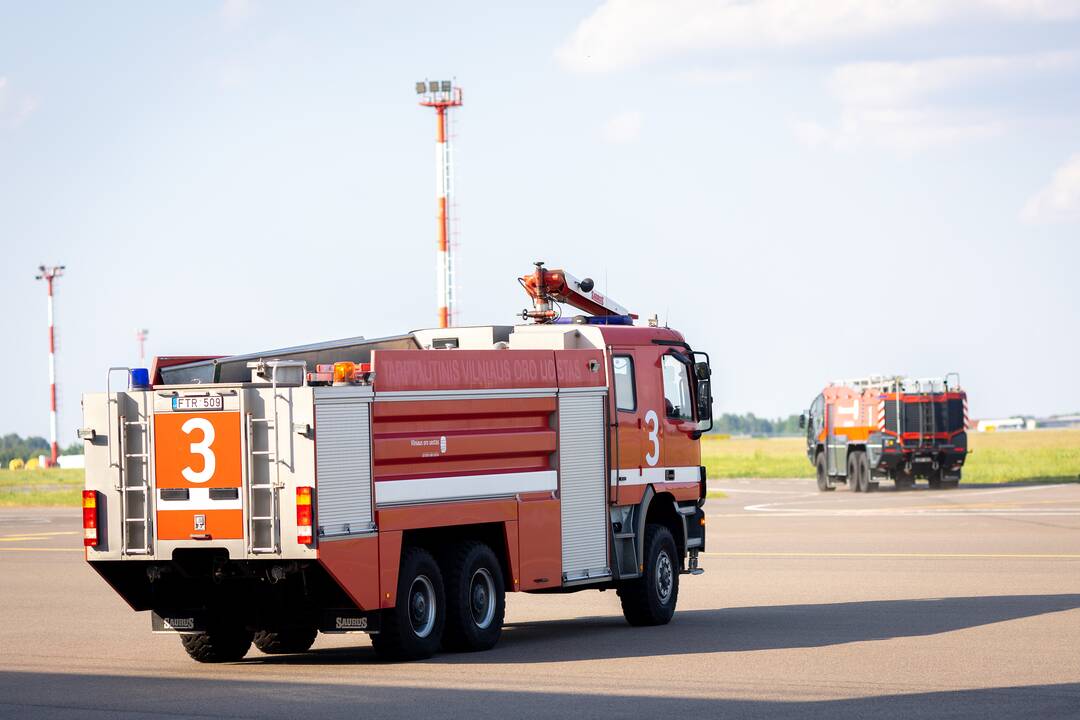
665 577
482 598
422 606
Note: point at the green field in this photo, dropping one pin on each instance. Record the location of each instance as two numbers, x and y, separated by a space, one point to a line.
40 487
1036 456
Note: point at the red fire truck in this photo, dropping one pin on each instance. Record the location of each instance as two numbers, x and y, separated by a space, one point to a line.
895 428
401 486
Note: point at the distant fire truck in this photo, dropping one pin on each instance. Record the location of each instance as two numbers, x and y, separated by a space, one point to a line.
401 486
888 428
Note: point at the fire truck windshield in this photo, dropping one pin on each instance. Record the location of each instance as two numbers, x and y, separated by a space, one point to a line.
677 389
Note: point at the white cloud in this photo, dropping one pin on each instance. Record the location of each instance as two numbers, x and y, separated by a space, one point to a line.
15 107
1060 199
702 77
623 128
910 106
237 11
623 33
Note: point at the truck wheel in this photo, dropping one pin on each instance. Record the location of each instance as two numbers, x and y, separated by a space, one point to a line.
293 640
822 478
218 644
650 599
475 599
413 628
866 473
854 482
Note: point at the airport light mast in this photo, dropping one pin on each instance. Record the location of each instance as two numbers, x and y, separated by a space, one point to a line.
442 95
49 274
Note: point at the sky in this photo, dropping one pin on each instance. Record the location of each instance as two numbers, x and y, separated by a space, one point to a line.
806 190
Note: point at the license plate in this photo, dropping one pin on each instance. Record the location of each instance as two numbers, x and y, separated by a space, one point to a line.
205 402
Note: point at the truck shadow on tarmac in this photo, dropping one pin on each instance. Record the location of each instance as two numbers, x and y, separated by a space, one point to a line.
57 695
727 630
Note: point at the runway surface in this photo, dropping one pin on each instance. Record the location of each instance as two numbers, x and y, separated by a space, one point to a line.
962 603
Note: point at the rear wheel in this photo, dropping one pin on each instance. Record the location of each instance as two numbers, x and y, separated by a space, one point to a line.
866 473
651 598
822 477
903 480
413 628
293 640
218 644
475 598
854 482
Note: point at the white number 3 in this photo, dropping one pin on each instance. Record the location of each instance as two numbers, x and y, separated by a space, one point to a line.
201 448
654 424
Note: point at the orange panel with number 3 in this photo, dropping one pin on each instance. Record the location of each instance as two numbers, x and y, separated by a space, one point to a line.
197 449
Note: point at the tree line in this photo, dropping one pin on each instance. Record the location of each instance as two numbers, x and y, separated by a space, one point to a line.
750 424
12 446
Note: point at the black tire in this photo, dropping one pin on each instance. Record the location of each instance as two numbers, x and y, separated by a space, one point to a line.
220 644
862 471
854 482
866 473
413 628
903 480
475 598
822 478
651 599
293 640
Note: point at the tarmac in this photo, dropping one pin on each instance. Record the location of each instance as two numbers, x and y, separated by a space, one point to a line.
960 603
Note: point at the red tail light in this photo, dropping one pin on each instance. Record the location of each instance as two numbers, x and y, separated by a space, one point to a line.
303 515
89 518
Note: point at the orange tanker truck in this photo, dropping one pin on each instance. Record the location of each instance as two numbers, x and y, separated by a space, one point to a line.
401 486
865 430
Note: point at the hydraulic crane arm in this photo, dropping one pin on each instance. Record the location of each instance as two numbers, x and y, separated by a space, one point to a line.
548 286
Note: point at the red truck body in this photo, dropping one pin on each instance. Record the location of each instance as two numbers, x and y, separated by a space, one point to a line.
399 486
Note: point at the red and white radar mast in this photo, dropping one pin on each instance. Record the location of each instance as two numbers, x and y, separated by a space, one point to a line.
49 275
442 95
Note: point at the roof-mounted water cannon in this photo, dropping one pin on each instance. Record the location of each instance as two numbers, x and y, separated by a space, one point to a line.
547 287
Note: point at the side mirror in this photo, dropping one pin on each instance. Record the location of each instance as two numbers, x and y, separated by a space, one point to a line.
702 370
802 421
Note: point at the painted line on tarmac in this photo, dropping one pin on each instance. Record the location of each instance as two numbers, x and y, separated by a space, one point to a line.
37 549
787 514
1010 556
741 491
22 537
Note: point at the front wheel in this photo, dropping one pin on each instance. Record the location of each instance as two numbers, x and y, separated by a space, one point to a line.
651 599
822 477
413 628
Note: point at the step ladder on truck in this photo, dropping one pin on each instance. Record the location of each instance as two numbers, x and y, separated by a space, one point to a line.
400 486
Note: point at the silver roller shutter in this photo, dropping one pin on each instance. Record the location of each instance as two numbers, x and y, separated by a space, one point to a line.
583 486
343 466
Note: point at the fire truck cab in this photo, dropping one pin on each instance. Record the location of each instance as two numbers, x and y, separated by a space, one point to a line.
401 486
